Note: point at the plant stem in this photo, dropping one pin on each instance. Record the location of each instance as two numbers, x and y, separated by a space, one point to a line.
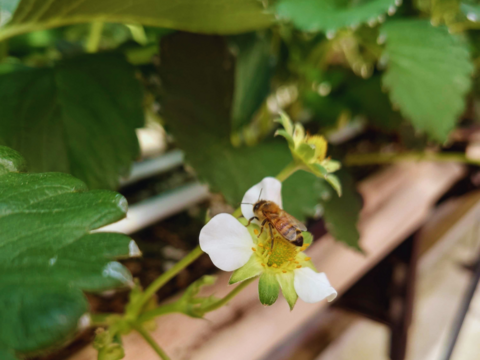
379 158
159 311
94 38
165 277
230 295
287 171
99 319
152 342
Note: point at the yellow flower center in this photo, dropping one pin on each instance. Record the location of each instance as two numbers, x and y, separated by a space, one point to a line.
282 257
283 252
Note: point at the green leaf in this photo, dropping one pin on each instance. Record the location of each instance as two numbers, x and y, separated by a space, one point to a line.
208 16
37 316
10 161
197 74
341 213
268 288
367 98
429 74
331 15
78 117
250 269
288 290
7 355
49 255
255 63
300 193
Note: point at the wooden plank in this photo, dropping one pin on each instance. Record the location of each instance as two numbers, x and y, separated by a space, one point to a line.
246 330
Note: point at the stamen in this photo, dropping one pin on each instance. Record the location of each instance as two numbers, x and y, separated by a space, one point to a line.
284 271
263 264
308 258
256 232
296 262
261 245
254 249
299 266
274 265
270 252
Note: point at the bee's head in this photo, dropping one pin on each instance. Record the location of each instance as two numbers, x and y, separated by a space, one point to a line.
258 205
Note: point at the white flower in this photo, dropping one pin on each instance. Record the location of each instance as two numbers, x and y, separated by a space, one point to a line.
234 247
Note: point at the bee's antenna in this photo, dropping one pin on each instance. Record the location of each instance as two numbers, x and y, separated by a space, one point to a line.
260 194
247 204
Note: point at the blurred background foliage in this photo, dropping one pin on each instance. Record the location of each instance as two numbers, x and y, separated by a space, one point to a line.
77 78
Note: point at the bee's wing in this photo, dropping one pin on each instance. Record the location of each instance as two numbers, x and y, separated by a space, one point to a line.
297 223
291 233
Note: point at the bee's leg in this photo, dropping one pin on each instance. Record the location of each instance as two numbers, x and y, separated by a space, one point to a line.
261 230
249 221
271 234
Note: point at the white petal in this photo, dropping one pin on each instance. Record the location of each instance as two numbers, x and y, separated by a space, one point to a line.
227 242
312 287
270 188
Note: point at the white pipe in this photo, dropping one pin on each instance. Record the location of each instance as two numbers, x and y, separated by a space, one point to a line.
150 167
158 208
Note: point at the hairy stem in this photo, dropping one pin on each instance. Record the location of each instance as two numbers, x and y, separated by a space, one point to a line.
287 171
151 342
159 311
99 319
94 38
168 275
379 158
230 295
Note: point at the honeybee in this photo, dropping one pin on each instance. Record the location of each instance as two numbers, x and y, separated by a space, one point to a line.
286 225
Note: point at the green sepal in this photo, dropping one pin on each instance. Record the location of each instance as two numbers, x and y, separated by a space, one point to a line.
335 182
288 290
287 136
251 229
268 288
318 170
298 134
306 152
108 345
193 306
306 263
11 161
195 287
243 221
250 269
307 238
286 123
332 165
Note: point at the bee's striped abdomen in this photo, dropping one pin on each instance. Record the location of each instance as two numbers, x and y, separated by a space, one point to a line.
285 227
